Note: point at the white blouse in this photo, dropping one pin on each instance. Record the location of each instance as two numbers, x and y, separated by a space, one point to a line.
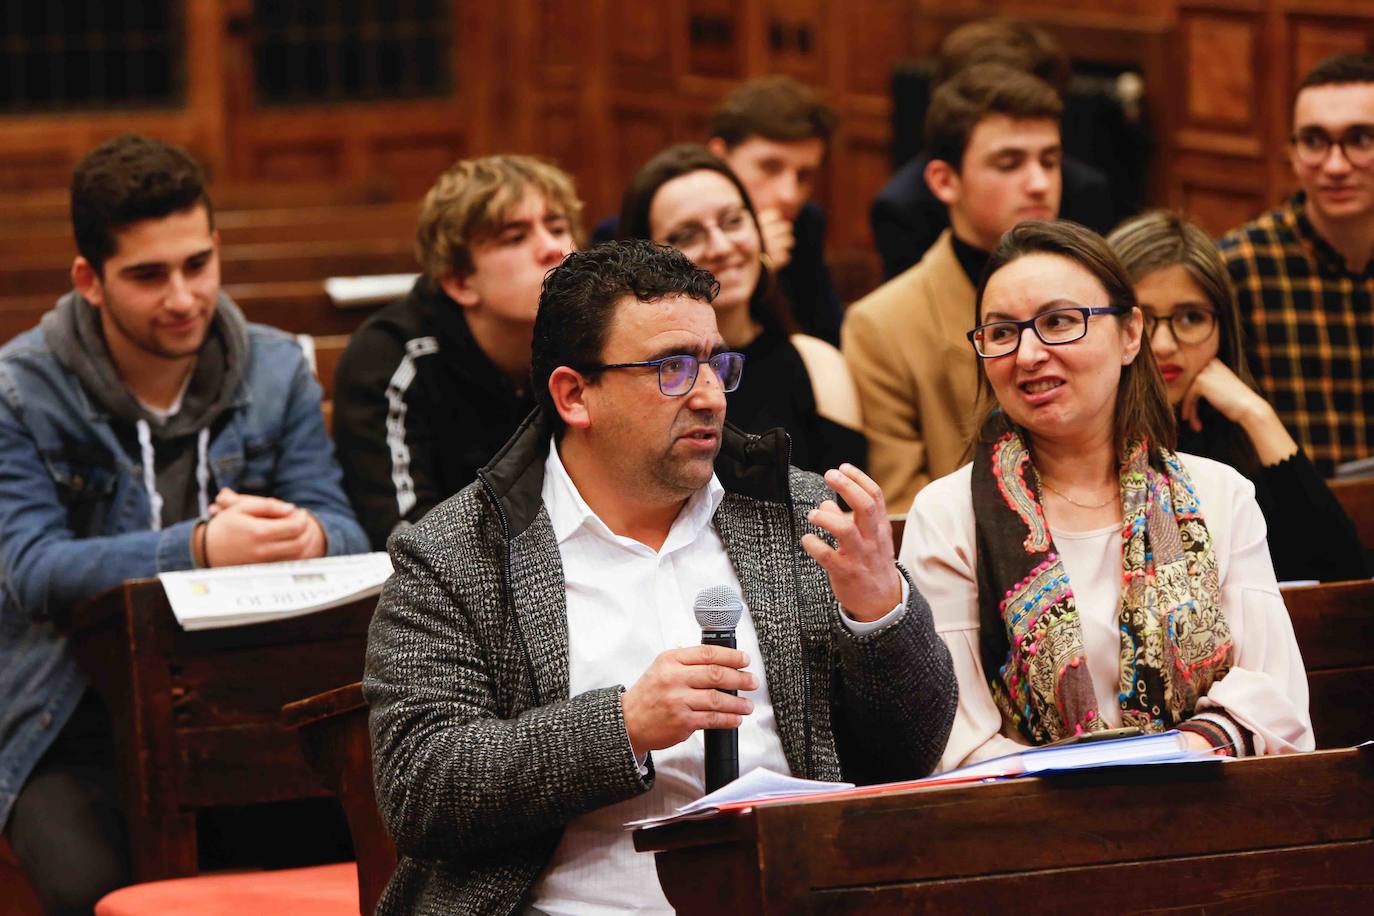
1265 690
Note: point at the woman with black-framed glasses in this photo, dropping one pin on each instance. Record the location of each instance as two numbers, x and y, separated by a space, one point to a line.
1083 574
689 198
1192 325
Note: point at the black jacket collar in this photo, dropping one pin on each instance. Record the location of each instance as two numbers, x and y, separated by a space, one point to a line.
748 464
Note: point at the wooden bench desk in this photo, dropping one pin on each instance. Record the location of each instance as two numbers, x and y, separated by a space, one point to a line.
1357 499
1334 624
197 715
252 263
296 306
1267 835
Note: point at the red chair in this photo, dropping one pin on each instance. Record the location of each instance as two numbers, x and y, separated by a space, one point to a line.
320 890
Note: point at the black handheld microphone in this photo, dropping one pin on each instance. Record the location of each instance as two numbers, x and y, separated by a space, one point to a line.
718 610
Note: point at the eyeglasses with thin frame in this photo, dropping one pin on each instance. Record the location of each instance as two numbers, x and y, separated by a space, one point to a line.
692 239
1054 327
1312 145
1190 324
677 375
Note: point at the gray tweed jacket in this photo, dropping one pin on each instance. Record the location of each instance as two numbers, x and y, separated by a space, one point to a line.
480 755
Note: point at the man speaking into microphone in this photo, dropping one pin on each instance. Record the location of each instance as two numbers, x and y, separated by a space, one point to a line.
534 668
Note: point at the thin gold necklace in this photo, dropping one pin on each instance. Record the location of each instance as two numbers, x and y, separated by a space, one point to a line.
1066 497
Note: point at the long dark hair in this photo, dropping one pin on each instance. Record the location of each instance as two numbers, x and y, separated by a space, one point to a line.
1142 406
1160 239
765 305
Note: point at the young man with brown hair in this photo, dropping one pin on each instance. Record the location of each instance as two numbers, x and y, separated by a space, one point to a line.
993 136
144 427
907 218
1304 273
430 387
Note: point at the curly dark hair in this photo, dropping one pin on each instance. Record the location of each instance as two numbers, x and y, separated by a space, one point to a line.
579 301
126 180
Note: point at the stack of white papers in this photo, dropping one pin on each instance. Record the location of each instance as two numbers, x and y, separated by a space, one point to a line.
229 596
760 785
756 785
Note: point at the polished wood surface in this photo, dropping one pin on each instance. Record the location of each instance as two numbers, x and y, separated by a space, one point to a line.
1357 499
1334 624
1269 834
334 736
197 715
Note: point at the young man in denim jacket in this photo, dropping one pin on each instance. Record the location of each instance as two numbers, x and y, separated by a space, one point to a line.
144 426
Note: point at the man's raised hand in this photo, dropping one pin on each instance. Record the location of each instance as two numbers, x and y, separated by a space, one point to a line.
862 568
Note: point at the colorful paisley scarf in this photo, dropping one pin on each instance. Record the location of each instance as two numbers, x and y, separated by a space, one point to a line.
1174 638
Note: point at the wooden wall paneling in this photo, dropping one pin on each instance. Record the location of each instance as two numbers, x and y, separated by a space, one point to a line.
1221 94
1218 192
410 163
795 39
1219 209
641 44
556 41
716 35
875 34
860 165
307 160
403 143
639 133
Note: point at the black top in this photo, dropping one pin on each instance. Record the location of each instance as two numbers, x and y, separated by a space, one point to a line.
1310 536
907 218
776 392
971 259
805 283
418 408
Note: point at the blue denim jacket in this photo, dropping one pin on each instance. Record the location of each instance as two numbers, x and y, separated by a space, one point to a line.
74 514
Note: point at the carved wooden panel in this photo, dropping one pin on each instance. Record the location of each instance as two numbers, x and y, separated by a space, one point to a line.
561 27
639 134
875 35
413 162
1218 210
640 36
715 38
795 38
1315 39
1219 56
559 135
311 161
39 169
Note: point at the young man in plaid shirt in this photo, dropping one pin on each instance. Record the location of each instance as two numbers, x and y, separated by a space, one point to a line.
1304 273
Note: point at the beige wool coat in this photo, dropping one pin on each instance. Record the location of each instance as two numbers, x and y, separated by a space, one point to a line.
916 372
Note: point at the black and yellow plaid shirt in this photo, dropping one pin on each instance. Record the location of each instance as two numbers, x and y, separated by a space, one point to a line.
1310 328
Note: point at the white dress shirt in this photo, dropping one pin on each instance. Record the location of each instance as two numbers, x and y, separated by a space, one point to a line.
627 604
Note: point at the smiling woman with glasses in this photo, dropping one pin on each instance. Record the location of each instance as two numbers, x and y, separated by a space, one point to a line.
1192 325
688 198
1085 575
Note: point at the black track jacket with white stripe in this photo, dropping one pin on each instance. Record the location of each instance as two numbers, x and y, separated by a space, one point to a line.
418 408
